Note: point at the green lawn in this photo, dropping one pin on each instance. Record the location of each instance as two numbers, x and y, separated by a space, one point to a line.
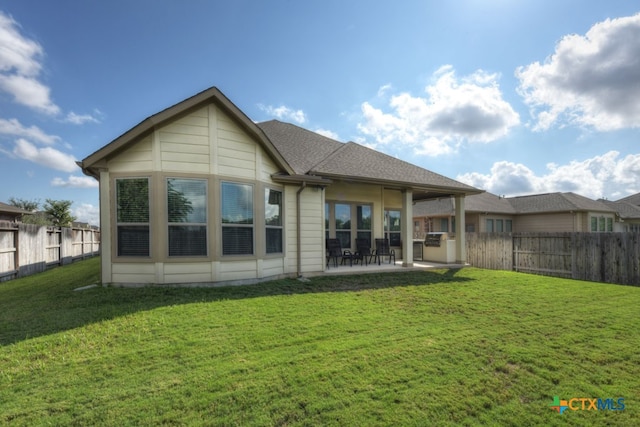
444 347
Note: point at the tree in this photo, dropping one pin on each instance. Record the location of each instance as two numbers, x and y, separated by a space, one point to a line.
27 205
59 212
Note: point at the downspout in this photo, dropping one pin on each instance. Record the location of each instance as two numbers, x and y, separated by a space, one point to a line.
299 228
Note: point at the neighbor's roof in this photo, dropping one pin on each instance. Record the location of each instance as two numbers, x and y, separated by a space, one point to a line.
625 210
483 202
300 153
12 209
556 202
634 199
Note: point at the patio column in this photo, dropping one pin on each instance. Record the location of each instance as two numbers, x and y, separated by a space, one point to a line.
406 228
461 245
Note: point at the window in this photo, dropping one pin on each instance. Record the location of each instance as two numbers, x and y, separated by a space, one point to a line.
392 227
132 217
609 224
444 224
237 219
489 226
508 225
273 220
594 224
339 222
343 224
187 216
499 225
363 215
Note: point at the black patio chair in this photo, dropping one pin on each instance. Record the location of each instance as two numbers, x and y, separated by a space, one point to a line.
335 252
383 249
363 251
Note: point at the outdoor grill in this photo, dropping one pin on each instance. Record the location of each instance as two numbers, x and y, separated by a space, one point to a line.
434 239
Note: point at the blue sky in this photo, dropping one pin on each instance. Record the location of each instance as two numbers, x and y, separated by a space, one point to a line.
514 97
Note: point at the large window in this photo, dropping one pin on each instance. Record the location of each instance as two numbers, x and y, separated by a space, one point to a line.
187 216
347 222
237 219
132 217
343 224
273 220
392 230
363 215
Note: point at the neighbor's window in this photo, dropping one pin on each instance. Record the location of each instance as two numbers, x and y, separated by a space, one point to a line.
594 224
187 216
132 217
444 224
508 225
499 225
237 219
609 224
489 226
273 220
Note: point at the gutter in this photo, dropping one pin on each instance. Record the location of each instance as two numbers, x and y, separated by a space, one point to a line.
299 227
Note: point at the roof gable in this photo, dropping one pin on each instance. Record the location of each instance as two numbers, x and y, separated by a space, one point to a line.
158 120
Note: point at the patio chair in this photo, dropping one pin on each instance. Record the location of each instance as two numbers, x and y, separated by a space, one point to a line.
363 251
383 249
335 252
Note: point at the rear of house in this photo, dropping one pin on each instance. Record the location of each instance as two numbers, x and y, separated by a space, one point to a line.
199 193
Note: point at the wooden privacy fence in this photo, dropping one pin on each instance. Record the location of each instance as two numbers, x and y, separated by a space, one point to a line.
596 257
27 249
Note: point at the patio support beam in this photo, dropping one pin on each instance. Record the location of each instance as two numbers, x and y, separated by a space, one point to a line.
461 245
406 228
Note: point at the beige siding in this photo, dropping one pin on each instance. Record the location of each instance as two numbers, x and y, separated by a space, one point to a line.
191 272
272 267
133 273
184 144
236 150
237 270
544 223
135 159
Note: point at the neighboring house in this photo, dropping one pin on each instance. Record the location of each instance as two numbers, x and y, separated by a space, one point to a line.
11 213
628 215
481 210
550 212
199 193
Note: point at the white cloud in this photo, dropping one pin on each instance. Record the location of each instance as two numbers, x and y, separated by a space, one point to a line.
607 176
75 182
79 119
328 133
20 66
284 113
86 212
47 156
589 80
454 110
17 53
13 127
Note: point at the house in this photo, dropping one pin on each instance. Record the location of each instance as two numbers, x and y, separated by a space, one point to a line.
199 193
11 213
481 210
627 213
550 212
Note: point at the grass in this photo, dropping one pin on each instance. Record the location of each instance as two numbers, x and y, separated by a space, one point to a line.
443 347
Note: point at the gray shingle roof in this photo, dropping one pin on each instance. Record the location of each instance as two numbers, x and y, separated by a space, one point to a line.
301 148
625 210
12 209
483 202
634 199
556 202
309 152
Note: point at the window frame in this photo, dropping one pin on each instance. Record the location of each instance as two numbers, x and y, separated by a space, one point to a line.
227 226
279 227
118 224
204 224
